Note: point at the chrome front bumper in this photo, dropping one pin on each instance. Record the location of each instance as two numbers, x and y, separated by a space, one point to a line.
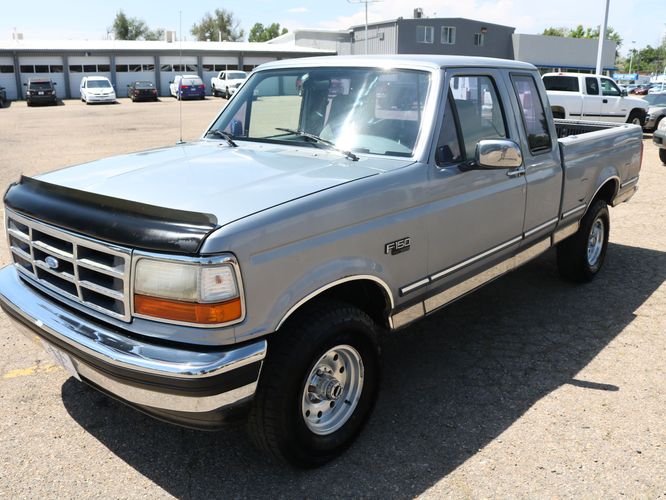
155 377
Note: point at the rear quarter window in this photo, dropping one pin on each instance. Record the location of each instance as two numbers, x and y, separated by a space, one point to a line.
561 83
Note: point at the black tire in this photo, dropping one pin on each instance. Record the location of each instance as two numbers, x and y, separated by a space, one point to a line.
574 260
558 114
636 117
277 421
227 94
214 91
662 155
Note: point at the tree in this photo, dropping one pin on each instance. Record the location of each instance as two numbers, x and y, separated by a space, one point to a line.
580 32
259 33
154 35
219 25
126 28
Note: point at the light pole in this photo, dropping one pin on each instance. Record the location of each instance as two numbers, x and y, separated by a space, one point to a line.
366 2
602 37
631 59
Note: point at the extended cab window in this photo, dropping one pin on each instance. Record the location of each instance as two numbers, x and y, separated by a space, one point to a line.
591 86
561 83
479 110
534 116
609 88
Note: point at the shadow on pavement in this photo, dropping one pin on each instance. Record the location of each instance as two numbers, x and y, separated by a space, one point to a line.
452 383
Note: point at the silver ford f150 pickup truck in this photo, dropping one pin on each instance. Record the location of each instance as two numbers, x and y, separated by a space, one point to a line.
252 272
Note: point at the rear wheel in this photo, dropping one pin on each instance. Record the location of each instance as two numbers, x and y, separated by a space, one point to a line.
662 155
318 385
227 94
580 257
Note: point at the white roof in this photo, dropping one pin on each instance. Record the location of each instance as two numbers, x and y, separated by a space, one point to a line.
143 46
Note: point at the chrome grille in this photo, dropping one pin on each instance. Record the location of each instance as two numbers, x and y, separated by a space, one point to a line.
83 270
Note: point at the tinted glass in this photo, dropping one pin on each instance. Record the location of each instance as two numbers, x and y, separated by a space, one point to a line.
166 67
6 68
104 68
448 145
27 69
134 68
591 86
56 68
40 86
479 110
149 67
534 116
90 68
561 83
41 68
121 68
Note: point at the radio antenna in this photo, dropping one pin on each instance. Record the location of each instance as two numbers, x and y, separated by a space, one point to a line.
179 91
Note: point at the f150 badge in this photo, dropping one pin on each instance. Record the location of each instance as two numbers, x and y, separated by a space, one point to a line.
398 246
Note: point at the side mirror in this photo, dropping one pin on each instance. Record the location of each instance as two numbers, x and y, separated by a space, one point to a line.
498 153
625 93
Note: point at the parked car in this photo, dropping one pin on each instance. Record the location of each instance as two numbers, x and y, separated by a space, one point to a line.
40 91
96 89
592 97
3 97
142 91
642 89
656 111
227 82
659 138
254 270
657 87
188 87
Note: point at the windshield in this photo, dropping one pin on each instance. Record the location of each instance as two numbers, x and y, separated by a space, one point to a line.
236 75
656 99
98 84
40 85
365 110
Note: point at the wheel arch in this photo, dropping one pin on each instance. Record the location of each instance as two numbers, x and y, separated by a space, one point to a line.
607 190
558 111
369 293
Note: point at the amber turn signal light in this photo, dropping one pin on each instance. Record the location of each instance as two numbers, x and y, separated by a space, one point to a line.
188 312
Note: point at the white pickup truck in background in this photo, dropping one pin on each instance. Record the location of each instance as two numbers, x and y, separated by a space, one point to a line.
581 96
227 82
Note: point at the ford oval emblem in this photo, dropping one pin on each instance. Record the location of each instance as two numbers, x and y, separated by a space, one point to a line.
52 262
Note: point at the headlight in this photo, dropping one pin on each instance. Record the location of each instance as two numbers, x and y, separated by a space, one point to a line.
662 124
189 292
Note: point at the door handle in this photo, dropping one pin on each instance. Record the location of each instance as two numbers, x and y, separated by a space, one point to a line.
516 172
605 101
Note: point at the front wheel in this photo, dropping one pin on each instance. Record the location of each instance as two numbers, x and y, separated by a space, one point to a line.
227 94
662 155
580 257
318 385
635 118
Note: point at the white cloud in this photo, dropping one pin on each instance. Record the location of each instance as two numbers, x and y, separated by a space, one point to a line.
298 10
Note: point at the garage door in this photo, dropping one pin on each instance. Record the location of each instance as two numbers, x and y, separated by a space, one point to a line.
171 66
86 66
212 67
8 78
131 69
42 67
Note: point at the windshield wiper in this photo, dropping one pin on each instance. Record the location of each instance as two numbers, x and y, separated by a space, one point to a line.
319 140
224 136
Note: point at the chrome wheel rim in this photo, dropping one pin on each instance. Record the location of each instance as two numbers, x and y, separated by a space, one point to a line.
332 390
595 243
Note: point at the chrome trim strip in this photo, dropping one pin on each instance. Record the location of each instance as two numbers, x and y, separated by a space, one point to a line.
212 260
316 292
417 284
621 198
565 232
111 347
408 315
467 262
629 182
457 291
540 227
573 211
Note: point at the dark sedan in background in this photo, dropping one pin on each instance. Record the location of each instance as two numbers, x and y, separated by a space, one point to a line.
142 91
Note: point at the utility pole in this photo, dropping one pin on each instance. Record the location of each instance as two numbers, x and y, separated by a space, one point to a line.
631 59
602 38
366 2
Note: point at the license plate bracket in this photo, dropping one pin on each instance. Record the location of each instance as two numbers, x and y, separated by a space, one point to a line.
61 358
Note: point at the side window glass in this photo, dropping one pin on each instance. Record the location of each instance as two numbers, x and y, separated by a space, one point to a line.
479 110
534 116
448 145
609 88
592 86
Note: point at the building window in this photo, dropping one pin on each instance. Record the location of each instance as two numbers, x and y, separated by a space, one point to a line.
479 39
27 68
149 67
75 68
41 68
166 67
56 68
103 68
448 35
6 68
425 34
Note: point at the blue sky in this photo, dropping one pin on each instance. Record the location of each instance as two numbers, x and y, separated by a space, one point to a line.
641 20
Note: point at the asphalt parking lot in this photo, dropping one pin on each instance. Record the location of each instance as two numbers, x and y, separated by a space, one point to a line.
531 387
